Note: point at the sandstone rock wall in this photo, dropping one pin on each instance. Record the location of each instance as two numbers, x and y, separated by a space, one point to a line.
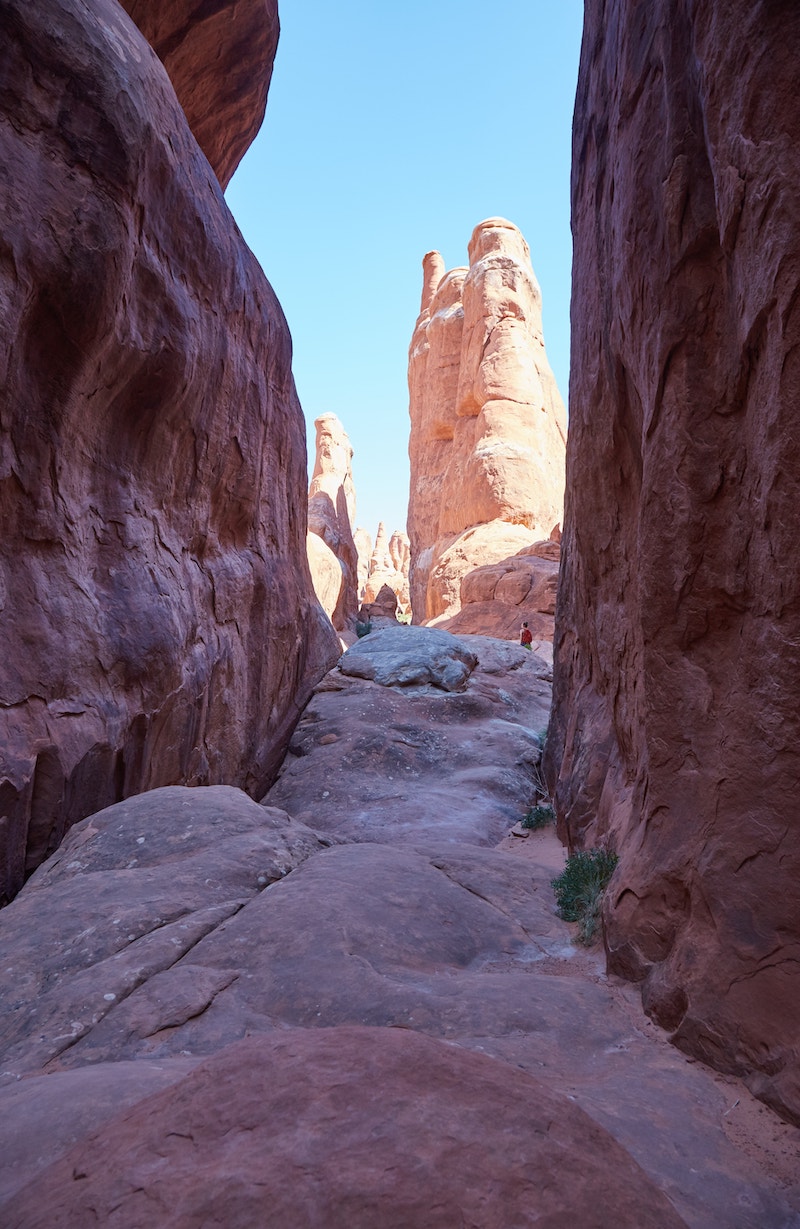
488 426
675 728
219 58
156 612
333 555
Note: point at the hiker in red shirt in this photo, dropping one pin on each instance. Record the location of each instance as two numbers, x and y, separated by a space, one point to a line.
526 636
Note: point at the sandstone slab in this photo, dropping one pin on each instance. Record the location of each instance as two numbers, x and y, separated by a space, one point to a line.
130 892
408 761
292 1124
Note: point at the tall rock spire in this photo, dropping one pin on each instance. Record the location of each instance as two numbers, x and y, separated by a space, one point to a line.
488 426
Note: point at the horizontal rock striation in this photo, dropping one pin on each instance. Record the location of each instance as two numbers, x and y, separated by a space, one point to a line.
156 612
675 728
219 56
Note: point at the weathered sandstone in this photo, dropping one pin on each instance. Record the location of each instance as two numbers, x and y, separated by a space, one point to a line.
156 612
388 568
205 995
363 541
331 510
675 728
487 423
219 58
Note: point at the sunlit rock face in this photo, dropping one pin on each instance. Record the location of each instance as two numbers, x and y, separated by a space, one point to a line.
219 58
387 569
156 611
488 425
332 552
675 728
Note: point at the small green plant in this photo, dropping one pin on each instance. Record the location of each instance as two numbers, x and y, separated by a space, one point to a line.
363 629
580 886
539 816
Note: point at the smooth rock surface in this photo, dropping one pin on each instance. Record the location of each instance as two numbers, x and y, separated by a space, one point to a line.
488 426
156 611
290 1128
186 921
404 656
331 513
219 58
675 728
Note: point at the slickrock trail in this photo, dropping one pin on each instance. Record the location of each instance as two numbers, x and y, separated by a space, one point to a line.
354 1005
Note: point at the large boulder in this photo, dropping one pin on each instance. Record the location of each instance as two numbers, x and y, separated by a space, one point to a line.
156 610
219 58
675 728
488 425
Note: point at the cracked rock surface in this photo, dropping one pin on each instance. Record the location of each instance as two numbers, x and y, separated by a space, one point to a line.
212 1007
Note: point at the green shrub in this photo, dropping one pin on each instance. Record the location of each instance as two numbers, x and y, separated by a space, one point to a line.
363 629
539 816
580 886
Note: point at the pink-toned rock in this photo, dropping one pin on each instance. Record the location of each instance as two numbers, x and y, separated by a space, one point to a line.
388 569
400 551
219 58
157 615
289 1127
363 541
181 921
675 730
487 423
331 510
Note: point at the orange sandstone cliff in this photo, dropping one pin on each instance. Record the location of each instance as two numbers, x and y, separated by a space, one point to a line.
488 433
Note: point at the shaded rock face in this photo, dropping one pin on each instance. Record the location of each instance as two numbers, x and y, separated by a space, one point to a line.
332 552
674 735
219 58
488 426
156 611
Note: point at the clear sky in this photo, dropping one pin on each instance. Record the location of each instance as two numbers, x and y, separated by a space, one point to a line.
392 129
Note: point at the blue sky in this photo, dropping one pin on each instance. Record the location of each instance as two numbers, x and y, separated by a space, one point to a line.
392 129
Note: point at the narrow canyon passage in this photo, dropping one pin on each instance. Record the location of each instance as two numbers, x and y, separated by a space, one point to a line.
355 1002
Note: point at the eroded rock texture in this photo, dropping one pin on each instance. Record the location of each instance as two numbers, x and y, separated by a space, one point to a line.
487 423
675 732
156 613
219 58
388 567
332 552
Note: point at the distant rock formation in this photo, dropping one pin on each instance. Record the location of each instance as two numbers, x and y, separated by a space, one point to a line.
363 541
676 714
156 611
332 552
219 58
388 568
488 426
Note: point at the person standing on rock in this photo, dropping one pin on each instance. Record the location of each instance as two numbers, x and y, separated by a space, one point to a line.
526 637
